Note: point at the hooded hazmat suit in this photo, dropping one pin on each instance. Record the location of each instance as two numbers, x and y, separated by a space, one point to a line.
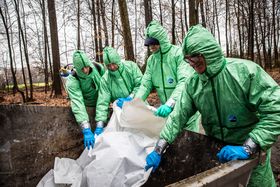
121 83
82 88
236 98
166 70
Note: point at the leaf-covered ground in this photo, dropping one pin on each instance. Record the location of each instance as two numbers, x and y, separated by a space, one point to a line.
42 98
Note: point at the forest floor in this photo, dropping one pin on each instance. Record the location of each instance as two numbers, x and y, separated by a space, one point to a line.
44 99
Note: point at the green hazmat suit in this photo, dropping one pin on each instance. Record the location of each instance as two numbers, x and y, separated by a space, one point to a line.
82 88
121 83
166 70
237 99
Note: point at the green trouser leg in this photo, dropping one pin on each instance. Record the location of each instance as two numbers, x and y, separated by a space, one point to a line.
262 175
193 123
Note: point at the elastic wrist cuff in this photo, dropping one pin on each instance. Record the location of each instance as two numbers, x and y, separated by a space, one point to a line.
85 125
100 124
131 95
250 146
161 146
170 102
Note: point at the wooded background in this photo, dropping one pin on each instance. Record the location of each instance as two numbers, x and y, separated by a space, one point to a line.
41 35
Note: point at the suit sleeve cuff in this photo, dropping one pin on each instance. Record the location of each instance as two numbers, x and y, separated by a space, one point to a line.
100 124
85 125
251 147
170 102
161 146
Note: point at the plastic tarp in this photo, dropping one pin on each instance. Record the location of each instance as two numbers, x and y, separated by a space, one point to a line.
118 156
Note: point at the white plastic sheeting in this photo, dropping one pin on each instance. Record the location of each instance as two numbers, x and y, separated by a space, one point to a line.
118 157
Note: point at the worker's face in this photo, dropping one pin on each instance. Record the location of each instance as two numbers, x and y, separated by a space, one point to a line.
197 61
153 48
112 67
86 70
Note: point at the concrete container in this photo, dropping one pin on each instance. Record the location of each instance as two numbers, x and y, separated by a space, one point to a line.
32 136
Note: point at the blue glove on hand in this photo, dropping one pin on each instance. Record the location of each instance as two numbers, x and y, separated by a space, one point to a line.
152 160
64 72
88 138
122 100
163 111
98 130
230 152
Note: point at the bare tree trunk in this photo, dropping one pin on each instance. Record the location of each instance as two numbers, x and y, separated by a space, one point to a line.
46 69
278 37
209 16
104 22
269 42
55 48
237 13
203 20
50 60
83 42
185 15
148 19
259 60
213 28
230 35
160 10
113 23
6 76
128 45
263 31
243 28
181 18
5 69
99 36
251 31
21 58
226 29
136 28
25 49
275 46
22 66
93 13
79 26
173 40
193 12
217 21
15 86
148 12
64 30
12 46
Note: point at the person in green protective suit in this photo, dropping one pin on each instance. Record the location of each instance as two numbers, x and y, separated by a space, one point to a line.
82 86
239 103
166 71
120 83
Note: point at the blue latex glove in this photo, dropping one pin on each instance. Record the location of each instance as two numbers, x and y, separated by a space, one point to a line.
88 138
163 111
98 130
230 152
120 101
152 160
65 72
